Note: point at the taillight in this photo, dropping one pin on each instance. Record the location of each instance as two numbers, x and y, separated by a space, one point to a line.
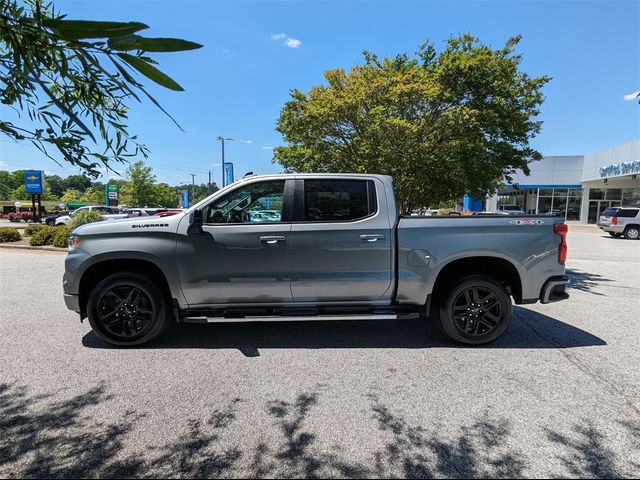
614 220
561 229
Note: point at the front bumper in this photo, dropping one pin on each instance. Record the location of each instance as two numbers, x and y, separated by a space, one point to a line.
72 302
554 289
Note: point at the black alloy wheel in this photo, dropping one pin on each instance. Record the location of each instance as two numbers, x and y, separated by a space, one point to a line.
127 309
477 309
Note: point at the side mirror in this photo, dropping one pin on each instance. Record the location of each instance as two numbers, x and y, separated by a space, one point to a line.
195 222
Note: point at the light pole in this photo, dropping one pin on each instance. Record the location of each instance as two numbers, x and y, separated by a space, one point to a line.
193 188
222 139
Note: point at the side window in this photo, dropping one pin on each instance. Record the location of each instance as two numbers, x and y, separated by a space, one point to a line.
338 200
628 213
254 203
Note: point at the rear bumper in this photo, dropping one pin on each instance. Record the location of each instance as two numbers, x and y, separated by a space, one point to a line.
554 289
612 228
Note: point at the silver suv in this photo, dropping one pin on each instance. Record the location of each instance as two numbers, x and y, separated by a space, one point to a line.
621 221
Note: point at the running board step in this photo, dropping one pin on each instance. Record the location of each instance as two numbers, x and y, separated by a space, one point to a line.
298 318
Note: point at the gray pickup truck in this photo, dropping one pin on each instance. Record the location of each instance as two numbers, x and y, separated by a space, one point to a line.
311 247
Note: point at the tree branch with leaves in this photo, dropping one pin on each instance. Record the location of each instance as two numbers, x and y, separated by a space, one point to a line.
74 80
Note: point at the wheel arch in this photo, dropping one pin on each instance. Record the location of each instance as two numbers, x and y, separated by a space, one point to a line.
102 268
501 269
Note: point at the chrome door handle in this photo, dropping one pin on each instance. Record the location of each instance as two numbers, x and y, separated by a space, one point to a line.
372 237
273 239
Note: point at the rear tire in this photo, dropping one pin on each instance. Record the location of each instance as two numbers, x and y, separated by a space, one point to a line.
615 235
632 233
477 310
127 309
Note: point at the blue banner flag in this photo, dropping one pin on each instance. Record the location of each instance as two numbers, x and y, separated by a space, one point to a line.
228 173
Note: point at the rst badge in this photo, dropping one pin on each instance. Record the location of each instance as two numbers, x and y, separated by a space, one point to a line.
527 222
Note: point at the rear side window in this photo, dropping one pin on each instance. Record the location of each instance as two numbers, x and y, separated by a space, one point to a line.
338 200
631 213
610 212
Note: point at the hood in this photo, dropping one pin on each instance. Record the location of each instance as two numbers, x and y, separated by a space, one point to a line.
135 225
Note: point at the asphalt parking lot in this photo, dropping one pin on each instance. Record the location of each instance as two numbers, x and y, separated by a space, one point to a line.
558 395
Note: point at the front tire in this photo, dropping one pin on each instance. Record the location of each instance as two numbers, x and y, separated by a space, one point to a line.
127 309
632 233
477 310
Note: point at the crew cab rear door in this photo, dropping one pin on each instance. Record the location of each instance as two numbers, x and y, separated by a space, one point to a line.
341 241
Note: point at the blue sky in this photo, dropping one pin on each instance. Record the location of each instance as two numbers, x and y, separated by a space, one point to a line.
255 52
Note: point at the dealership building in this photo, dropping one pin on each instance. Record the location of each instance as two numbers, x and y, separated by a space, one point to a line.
579 187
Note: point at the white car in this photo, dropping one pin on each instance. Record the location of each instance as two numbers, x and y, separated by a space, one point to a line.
511 210
107 212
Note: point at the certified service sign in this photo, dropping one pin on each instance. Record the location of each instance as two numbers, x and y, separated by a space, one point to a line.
34 181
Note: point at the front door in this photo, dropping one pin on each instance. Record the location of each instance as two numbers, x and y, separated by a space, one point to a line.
341 242
242 255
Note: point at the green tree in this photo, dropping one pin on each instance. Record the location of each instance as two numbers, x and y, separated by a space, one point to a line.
139 191
20 193
165 195
8 184
76 182
54 185
74 80
93 196
443 124
70 195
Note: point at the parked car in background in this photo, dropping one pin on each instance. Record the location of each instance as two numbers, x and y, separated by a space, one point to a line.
621 221
136 212
168 212
511 210
51 219
107 212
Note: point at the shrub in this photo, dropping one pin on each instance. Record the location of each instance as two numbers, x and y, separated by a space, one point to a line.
60 239
84 216
44 236
9 234
33 228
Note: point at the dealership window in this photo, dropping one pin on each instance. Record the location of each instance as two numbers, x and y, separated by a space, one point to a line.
550 201
596 194
613 193
631 197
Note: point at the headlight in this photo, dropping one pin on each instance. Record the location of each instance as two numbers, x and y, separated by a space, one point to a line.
74 241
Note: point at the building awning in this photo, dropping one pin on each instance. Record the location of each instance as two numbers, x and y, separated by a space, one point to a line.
75 204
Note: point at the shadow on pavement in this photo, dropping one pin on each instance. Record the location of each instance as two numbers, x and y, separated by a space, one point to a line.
529 329
47 437
585 281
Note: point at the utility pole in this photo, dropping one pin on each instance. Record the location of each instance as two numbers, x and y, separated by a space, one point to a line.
193 188
209 184
222 139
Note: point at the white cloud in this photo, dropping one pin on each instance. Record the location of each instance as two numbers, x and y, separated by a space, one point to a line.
286 40
632 96
267 147
3 164
246 141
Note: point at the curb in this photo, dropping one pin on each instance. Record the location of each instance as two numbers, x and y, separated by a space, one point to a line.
45 248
